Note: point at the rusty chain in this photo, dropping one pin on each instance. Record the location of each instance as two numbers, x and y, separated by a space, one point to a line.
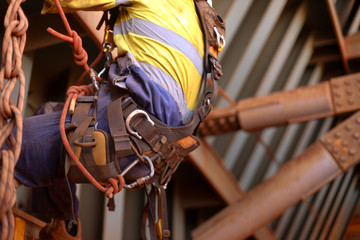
16 24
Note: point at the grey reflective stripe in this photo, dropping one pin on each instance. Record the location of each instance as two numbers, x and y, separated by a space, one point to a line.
163 35
123 2
170 85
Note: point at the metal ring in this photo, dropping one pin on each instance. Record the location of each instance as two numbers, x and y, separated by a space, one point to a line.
107 46
131 115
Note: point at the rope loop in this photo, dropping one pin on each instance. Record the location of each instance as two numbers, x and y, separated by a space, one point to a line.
114 185
80 55
81 90
75 42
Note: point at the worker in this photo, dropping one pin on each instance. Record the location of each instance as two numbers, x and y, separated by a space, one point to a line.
160 64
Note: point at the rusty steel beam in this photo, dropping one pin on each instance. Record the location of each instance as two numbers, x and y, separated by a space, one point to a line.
335 97
299 178
89 21
210 164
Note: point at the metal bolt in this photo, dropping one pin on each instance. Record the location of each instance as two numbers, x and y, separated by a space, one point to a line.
351 102
211 123
356 135
338 104
163 139
335 149
352 152
327 141
222 121
337 94
232 119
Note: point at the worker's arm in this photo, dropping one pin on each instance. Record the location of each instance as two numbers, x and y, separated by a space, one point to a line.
88 5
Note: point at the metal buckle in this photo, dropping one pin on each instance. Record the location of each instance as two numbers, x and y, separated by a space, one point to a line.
141 180
131 115
219 39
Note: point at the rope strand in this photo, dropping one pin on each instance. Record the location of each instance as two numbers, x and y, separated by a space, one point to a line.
16 24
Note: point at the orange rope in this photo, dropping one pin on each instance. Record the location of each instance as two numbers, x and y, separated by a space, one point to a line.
73 38
16 24
93 64
114 185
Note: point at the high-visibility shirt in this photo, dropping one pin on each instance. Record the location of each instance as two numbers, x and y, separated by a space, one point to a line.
161 37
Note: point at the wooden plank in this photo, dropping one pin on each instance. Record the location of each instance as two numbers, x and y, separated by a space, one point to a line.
27 226
19 229
29 219
210 164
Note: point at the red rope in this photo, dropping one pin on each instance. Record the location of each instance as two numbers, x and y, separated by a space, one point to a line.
114 185
73 38
94 63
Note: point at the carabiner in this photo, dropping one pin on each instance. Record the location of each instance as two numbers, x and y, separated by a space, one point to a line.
93 75
131 115
140 180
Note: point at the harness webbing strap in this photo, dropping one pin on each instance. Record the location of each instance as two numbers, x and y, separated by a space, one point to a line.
157 229
118 129
81 112
163 215
147 131
80 131
148 215
86 152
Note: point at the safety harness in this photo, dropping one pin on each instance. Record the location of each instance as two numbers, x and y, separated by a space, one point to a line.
135 132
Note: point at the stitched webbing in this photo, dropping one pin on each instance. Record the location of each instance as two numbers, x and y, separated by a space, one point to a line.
118 130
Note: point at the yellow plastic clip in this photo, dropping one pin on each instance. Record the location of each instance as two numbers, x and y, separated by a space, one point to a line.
158 224
159 229
220 40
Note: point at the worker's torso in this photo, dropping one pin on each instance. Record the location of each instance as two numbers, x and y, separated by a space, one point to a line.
166 41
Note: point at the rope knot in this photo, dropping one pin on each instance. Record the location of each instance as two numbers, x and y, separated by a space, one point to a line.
80 55
81 90
114 185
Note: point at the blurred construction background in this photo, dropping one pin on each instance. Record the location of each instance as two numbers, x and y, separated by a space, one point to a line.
272 46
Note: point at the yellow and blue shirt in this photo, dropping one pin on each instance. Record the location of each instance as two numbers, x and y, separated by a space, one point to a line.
160 47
